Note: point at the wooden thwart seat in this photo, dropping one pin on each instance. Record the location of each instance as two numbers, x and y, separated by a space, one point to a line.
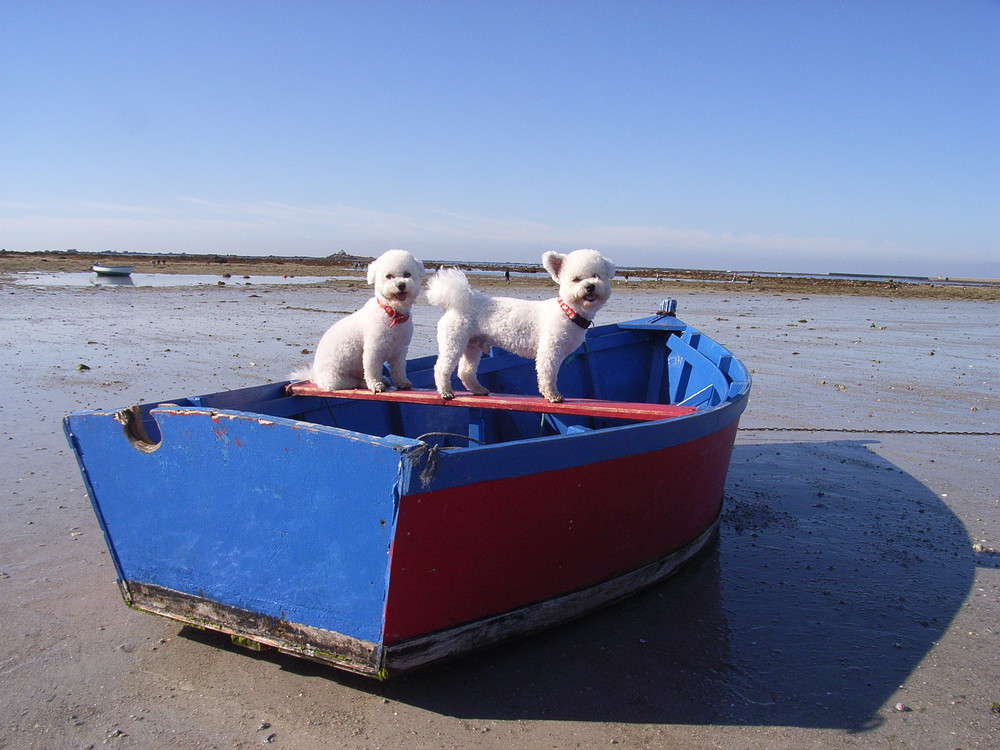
577 406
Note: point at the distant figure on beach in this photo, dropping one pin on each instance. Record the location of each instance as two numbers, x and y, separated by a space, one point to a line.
506 276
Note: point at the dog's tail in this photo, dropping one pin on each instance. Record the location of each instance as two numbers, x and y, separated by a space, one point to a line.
449 288
301 373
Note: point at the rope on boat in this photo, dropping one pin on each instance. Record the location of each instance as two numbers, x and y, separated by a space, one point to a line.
970 433
429 471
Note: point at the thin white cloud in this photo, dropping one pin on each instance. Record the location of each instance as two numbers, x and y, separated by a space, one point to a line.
426 224
115 208
271 227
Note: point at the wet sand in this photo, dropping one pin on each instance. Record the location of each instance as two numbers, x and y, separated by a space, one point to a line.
852 599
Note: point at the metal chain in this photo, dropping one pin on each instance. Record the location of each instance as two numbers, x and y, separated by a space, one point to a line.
869 432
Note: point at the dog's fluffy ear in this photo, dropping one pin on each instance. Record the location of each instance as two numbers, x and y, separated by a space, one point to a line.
371 272
553 262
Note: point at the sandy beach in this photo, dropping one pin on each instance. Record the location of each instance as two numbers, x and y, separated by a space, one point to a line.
852 599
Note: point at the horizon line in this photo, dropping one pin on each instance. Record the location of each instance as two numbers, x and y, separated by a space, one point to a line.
521 264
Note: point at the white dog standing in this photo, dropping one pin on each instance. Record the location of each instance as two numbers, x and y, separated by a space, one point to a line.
547 331
353 350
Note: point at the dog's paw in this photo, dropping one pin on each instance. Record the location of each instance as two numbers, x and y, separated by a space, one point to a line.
446 393
480 391
377 387
404 385
555 398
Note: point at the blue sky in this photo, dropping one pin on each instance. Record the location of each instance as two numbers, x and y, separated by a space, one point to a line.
783 136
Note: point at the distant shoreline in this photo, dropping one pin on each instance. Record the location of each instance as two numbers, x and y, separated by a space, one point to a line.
522 275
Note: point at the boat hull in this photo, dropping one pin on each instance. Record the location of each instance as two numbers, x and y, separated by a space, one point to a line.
111 270
437 528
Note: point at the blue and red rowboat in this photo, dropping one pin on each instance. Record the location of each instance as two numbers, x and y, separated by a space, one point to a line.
379 533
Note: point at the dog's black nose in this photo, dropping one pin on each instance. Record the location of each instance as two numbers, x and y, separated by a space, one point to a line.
401 285
590 288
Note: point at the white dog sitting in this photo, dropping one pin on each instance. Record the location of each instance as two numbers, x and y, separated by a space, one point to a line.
353 350
547 331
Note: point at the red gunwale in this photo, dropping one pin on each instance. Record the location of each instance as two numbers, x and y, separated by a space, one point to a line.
586 407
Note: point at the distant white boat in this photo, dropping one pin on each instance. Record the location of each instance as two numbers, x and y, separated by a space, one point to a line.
111 270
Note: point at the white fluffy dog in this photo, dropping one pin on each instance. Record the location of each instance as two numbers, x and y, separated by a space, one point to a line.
547 331
353 350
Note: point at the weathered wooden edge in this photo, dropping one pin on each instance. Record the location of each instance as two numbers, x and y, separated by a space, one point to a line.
369 659
422 650
321 645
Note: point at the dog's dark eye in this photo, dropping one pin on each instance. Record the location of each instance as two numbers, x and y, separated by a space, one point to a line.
388 275
577 279
406 274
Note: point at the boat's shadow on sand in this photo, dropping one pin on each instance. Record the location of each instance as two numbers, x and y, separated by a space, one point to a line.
834 574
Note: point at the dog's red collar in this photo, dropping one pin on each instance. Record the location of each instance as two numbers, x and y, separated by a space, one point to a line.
574 315
396 317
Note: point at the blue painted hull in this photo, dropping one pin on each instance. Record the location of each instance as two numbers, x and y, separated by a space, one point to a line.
345 531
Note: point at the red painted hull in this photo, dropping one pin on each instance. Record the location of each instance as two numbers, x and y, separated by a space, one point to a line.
526 539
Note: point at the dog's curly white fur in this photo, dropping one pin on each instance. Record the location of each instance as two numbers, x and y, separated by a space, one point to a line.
352 351
543 330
